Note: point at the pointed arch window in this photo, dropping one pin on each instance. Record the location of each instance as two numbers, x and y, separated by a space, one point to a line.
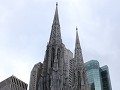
58 57
79 81
52 57
49 81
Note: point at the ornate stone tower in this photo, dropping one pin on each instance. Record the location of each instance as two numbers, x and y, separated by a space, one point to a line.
60 71
80 81
52 76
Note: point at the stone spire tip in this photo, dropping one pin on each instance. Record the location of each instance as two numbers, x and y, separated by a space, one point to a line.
56 4
55 37
76 28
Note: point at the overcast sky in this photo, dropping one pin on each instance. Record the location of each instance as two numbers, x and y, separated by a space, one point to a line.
25 27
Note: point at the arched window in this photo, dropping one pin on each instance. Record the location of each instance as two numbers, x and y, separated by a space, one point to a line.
58 56
49 81
79 81
52 57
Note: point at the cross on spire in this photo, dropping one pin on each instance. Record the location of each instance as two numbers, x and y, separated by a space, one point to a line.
56 4
77 44
76 28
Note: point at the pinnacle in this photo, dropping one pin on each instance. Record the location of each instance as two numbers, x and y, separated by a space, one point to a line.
78 51
56 4
77 45
55 36
56 17
76 28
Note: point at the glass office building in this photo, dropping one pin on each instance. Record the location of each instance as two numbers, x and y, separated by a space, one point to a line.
105 78
98 77
93 74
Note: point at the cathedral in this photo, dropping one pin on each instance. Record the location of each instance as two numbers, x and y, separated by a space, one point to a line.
60 70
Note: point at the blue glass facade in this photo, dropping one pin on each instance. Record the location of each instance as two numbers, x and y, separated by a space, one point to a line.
105 78
98 77
93 74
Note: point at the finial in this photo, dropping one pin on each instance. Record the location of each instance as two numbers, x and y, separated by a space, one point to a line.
56 4
76 28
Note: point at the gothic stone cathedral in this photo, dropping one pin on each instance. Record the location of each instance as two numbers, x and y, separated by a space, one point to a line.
59 71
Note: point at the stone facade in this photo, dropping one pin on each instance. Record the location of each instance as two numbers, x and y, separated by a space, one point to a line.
13 83
58 73
35 76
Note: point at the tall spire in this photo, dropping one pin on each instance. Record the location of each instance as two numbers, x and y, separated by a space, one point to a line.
56 17
78 51
55 37
79 68
77 44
